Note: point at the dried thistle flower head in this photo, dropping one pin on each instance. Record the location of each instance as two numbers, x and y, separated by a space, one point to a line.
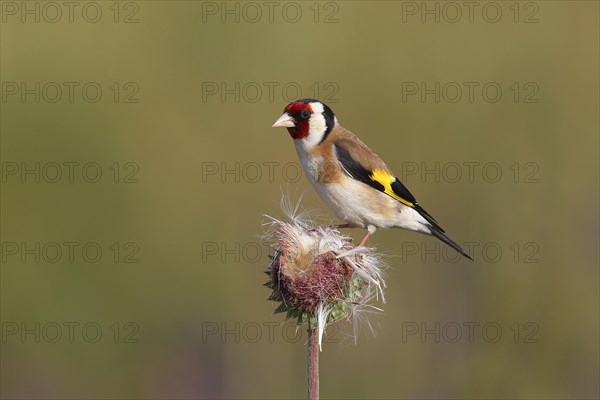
318 275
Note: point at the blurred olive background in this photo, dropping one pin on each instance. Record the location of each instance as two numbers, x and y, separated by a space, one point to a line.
192 317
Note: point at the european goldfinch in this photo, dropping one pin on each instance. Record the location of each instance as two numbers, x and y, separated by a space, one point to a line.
350 178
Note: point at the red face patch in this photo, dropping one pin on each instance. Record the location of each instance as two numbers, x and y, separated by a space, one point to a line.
296 107
301 130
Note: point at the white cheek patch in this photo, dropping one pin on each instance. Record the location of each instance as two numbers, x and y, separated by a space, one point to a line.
317 108
316 126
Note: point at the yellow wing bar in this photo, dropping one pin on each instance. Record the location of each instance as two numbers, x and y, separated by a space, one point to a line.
385 179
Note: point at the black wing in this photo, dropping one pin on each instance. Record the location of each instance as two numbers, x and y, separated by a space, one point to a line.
382 180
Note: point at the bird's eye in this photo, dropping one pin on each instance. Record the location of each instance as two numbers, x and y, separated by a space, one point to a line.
305 114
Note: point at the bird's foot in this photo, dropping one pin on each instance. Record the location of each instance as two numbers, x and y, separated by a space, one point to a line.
370 231
364 240
338 226
335 226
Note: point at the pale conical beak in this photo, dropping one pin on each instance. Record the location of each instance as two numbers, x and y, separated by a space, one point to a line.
285 120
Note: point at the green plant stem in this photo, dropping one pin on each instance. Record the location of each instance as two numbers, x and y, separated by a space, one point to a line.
313 364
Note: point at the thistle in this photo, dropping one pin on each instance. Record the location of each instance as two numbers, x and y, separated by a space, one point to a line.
318 277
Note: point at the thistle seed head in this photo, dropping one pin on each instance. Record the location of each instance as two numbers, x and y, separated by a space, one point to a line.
318 276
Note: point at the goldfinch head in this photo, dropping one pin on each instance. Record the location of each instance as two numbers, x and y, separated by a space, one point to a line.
308 120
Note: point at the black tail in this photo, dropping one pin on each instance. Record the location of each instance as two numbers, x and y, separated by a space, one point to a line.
438 232
440 235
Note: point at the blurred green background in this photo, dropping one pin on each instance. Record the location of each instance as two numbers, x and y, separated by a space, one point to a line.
190 166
